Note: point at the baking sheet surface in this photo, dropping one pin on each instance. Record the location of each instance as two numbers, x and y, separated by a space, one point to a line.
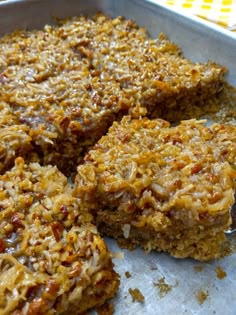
169 286
174 286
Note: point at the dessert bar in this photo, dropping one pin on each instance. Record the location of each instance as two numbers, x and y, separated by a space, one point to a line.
161 187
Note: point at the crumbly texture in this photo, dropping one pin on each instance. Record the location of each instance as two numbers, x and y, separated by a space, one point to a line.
222 107
66 84
52 259
217 108
105 309
161 187
14 138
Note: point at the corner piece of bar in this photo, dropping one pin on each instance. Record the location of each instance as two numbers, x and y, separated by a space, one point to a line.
52 259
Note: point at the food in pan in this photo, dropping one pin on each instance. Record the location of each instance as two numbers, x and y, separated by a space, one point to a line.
144 183
52 259
162 187
66 84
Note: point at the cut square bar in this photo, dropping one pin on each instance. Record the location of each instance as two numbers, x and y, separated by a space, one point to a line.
164 188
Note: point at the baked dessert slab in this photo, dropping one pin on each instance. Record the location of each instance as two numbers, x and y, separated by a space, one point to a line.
52 259
164 188
67 88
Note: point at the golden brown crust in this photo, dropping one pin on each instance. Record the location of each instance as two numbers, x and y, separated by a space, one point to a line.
167 188
52 258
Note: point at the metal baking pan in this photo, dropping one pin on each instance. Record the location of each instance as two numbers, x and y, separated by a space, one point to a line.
170 286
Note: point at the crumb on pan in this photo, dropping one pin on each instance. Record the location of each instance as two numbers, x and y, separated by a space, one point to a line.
128 274
163 287
220 273
202 296
136 295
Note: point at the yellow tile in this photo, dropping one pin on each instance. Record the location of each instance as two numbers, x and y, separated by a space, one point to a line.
226 10
170 2
206 7
187 5
227 2
208 1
